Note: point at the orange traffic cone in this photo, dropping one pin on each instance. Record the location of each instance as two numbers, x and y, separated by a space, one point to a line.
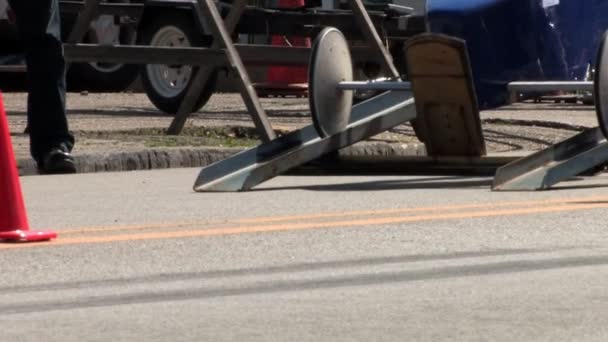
13 218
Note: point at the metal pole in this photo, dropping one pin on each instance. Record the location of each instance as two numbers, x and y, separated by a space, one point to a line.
551 86
381 85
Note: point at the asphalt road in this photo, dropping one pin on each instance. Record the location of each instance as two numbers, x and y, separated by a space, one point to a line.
142 257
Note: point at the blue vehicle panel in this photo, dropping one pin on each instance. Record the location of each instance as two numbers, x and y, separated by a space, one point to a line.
510 40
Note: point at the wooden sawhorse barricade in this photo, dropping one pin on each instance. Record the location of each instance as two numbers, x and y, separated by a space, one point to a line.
223 52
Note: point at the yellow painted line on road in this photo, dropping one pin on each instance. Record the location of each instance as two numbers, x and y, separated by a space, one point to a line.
224 231
270 219
139 227
423 209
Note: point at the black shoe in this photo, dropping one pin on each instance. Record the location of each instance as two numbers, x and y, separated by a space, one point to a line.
57 161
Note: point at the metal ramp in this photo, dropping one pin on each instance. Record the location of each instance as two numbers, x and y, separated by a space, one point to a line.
254 166
557 163
571 157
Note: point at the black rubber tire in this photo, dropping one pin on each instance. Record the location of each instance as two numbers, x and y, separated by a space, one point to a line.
83 76
183 21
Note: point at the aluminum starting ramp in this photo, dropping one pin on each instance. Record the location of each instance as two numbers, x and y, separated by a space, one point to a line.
254 166
584 152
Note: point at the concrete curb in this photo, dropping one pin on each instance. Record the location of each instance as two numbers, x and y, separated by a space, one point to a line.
199 157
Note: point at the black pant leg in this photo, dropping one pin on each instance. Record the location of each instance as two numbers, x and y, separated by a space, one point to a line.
40 32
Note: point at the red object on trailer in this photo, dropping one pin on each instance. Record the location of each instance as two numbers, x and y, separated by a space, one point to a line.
286 80
13 219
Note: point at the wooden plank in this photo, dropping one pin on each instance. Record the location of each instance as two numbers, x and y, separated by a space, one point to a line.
144 55
120 9
448 115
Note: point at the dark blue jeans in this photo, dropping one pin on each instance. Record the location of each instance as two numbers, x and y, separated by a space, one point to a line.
39 29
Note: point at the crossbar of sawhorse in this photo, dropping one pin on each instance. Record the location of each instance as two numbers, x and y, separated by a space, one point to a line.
221 31
249 168
554 164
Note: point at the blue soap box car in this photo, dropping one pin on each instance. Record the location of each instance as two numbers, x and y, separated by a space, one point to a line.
515 40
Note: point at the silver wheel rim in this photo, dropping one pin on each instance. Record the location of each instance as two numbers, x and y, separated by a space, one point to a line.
169 80
330 63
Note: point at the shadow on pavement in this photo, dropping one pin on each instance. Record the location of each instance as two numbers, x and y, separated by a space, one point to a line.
452 182
278 286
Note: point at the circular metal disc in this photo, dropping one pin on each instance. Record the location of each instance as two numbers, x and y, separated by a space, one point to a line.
601 85
330 64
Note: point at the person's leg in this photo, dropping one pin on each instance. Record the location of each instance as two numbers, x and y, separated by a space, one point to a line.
40 32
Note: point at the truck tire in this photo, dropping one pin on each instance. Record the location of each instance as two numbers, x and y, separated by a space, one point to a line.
166 85
101 76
